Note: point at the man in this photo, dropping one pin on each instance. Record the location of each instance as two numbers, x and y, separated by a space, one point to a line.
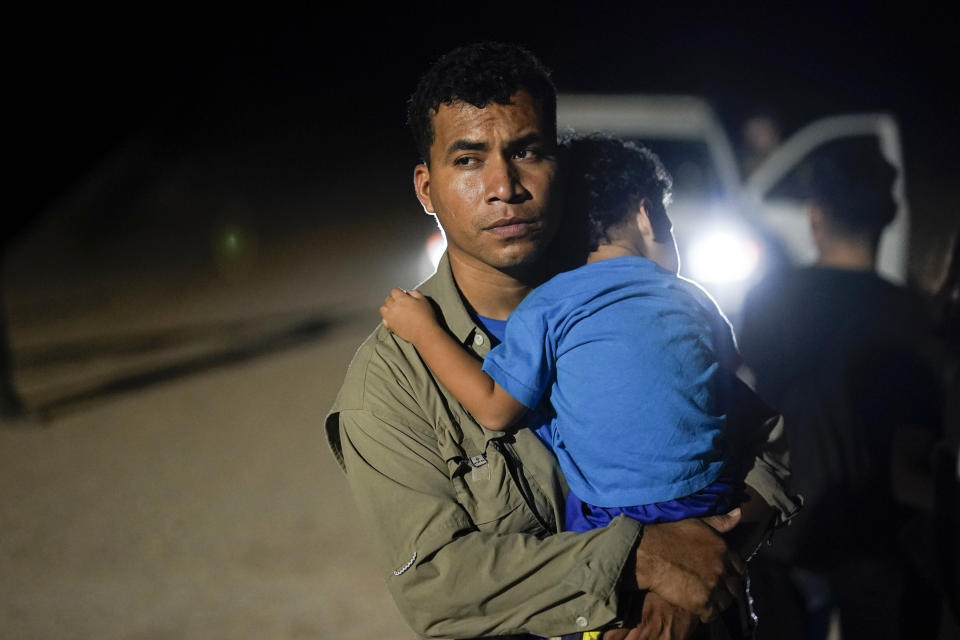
838 351
467 520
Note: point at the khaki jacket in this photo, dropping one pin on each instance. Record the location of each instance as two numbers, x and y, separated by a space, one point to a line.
467 521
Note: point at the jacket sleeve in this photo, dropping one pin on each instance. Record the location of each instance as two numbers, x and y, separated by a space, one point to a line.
453 575
757 432
770 475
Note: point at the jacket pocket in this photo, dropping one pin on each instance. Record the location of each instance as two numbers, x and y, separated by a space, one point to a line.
486 490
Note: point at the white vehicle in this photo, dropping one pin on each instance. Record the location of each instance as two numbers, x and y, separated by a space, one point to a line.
731 232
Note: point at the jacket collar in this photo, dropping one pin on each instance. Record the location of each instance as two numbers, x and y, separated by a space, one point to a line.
442 288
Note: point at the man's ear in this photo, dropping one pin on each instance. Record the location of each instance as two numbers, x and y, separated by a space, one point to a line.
421 185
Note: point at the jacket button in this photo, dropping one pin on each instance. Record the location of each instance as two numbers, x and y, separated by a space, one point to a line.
478 338
581 621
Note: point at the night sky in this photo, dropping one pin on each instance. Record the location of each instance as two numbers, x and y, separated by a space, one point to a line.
85 81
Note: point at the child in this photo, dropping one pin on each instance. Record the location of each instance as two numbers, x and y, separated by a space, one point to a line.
629 354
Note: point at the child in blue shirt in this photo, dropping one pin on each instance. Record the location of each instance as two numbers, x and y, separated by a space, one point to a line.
630 356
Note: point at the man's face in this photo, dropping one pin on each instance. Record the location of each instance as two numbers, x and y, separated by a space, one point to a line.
490 182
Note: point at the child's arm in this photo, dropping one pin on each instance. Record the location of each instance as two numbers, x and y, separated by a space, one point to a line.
410 315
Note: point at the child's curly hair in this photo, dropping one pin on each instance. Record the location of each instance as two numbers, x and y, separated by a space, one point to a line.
607 179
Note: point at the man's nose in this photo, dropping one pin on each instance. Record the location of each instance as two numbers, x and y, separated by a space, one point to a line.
503 182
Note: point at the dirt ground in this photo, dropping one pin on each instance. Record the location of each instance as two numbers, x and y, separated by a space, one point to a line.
175 481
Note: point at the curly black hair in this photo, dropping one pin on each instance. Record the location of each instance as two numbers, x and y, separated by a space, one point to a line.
607 179
479 74
853 184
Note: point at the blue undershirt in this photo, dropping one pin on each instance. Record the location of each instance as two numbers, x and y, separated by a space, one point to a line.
496 328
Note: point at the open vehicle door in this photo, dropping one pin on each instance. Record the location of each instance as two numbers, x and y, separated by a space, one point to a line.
774 193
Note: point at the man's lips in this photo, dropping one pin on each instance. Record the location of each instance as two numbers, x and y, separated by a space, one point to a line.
511 228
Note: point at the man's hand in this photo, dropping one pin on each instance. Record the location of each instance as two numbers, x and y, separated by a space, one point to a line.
659 620
409 315
689 565
754 527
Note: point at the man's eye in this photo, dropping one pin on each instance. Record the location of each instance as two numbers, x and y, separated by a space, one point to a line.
466 161
525 154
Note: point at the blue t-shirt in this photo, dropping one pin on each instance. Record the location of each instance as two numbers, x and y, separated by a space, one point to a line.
629 354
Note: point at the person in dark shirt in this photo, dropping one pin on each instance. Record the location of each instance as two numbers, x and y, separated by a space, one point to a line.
840 352
946 465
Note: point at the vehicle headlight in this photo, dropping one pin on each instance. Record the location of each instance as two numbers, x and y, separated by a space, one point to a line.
723 255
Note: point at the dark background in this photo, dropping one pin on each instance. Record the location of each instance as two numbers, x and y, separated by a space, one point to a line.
83 82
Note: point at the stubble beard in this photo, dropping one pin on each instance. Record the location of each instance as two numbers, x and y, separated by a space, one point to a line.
525 264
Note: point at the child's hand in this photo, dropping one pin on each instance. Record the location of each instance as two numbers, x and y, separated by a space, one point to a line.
408 314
